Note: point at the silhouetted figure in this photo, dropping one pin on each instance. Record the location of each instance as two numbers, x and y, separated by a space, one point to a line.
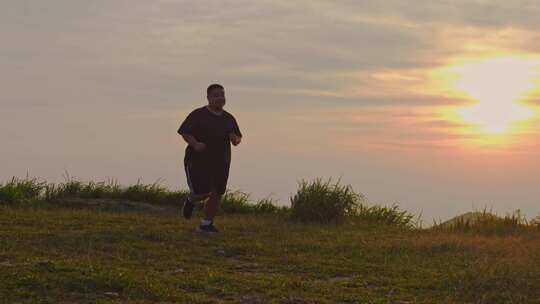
209 132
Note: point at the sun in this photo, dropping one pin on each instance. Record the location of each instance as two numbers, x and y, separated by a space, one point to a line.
495 118
496 86
496 90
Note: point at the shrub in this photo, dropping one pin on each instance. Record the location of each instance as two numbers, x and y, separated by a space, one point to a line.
324 202
535 222
20 190
74 188
236 202
239 202
387 215
486 223
268 205
110 189
141 192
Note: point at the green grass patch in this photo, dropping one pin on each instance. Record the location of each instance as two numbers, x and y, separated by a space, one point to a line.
322 201
240 202
19 190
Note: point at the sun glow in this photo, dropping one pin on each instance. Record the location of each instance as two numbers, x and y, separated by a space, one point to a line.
496 90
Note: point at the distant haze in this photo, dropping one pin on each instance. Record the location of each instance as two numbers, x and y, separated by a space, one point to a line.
354 90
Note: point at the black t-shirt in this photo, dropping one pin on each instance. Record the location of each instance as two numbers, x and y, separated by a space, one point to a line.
212 130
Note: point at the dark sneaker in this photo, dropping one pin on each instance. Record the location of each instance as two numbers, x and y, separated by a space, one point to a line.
187 210
207 228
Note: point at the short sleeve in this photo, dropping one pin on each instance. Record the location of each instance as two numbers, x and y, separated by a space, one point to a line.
188 125
236 128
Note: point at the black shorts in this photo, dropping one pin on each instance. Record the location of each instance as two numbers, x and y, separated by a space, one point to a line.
203 178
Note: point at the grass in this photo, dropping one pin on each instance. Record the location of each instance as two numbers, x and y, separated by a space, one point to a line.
324 202
58 254
111 189
240 202
321 201
19 190
31 190
486 223
53 252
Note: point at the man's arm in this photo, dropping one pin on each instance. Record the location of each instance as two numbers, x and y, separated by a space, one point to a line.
187 128
193 142
235 139
235 136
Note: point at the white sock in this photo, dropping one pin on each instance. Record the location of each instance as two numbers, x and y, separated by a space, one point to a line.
205 222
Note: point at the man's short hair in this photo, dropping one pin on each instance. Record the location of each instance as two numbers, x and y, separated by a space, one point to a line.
213 86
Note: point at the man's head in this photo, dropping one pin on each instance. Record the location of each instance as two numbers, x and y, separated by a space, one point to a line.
215 93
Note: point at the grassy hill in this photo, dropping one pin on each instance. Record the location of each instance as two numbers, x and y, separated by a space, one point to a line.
83 249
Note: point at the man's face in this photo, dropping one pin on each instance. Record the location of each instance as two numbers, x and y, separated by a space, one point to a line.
216 98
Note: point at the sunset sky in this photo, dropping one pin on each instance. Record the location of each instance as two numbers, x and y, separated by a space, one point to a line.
431 105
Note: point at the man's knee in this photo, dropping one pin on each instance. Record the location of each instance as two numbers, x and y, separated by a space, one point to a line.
215 195
199 197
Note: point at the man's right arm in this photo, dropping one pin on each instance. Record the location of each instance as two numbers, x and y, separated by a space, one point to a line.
186 130
193 142
190 139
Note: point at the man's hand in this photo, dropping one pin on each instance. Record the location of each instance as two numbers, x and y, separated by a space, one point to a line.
199 146
235 139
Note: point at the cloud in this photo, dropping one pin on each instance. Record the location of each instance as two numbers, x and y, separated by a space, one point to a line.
363 53
332 50
492 14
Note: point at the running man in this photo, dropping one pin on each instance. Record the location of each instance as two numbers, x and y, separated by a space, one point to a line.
209 132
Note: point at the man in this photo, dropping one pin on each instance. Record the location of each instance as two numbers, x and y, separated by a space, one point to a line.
209 132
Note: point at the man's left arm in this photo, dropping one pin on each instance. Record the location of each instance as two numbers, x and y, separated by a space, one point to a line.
235 136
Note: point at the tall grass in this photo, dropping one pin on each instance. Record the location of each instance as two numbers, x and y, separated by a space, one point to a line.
330 202
324 201
153 193
388 215
535 222
19 190
240 202
74 188
31 189
486 223
320 201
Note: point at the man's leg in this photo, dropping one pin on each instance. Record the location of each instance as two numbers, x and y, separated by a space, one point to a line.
220 174
218 181
190 202
198 197
197 179
212 206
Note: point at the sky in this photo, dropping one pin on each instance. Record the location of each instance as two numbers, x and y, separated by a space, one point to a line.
433 106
